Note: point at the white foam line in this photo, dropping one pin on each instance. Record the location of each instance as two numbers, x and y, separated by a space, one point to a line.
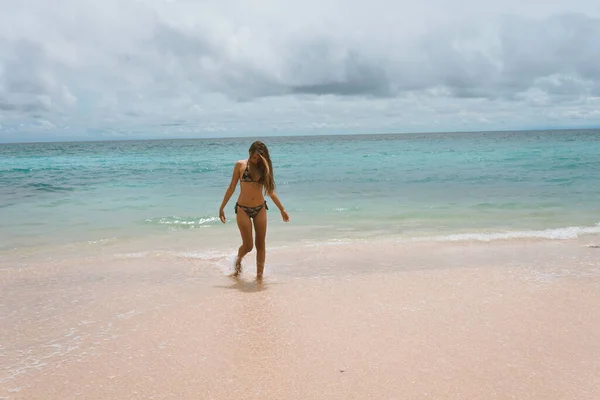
141 254
202 255
571 232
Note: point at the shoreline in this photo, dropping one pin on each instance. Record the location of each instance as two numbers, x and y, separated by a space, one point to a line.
178 243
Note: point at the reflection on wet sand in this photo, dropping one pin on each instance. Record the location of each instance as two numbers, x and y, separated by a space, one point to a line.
245 286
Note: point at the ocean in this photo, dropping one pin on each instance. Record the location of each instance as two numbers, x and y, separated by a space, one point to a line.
133 196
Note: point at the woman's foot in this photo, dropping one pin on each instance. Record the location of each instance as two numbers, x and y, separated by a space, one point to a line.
238 267
260 268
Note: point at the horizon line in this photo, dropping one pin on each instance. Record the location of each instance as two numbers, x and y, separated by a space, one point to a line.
130 139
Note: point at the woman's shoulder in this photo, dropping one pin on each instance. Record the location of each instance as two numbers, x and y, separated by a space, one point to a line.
240 165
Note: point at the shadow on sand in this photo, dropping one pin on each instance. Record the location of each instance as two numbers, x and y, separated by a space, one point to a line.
245 286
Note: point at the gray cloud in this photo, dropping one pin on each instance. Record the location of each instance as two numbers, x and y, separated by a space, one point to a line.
24 107
186 67
359 77
23 79
557 54
24 69
469 63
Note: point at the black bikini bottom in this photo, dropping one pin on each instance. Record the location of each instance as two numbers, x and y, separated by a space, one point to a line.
251 211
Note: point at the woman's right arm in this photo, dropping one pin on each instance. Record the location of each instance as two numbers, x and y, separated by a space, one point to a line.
235 177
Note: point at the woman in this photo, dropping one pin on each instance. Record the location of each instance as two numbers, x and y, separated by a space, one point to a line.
256 178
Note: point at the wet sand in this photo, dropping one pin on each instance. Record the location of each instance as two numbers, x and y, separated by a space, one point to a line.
502 320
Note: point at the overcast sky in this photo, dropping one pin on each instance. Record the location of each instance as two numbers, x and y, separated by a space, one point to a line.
105 69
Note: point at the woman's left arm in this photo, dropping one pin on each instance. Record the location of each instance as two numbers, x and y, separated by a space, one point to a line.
275 199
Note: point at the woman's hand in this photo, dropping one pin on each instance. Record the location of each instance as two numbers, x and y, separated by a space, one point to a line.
222 215
285 216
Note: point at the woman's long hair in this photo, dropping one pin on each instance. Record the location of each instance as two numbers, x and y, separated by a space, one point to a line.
265 167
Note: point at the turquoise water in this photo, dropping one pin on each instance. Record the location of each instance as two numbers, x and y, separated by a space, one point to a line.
334 187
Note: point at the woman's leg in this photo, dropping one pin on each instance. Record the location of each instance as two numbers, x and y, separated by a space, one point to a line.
260 229
245 226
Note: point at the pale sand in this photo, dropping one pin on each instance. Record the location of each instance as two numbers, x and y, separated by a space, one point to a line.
452 321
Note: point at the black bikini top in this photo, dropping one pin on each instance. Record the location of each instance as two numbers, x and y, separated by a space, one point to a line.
247 176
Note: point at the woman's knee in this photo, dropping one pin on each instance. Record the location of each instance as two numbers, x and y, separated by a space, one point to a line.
247 247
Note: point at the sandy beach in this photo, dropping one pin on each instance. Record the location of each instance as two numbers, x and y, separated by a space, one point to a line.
470 320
